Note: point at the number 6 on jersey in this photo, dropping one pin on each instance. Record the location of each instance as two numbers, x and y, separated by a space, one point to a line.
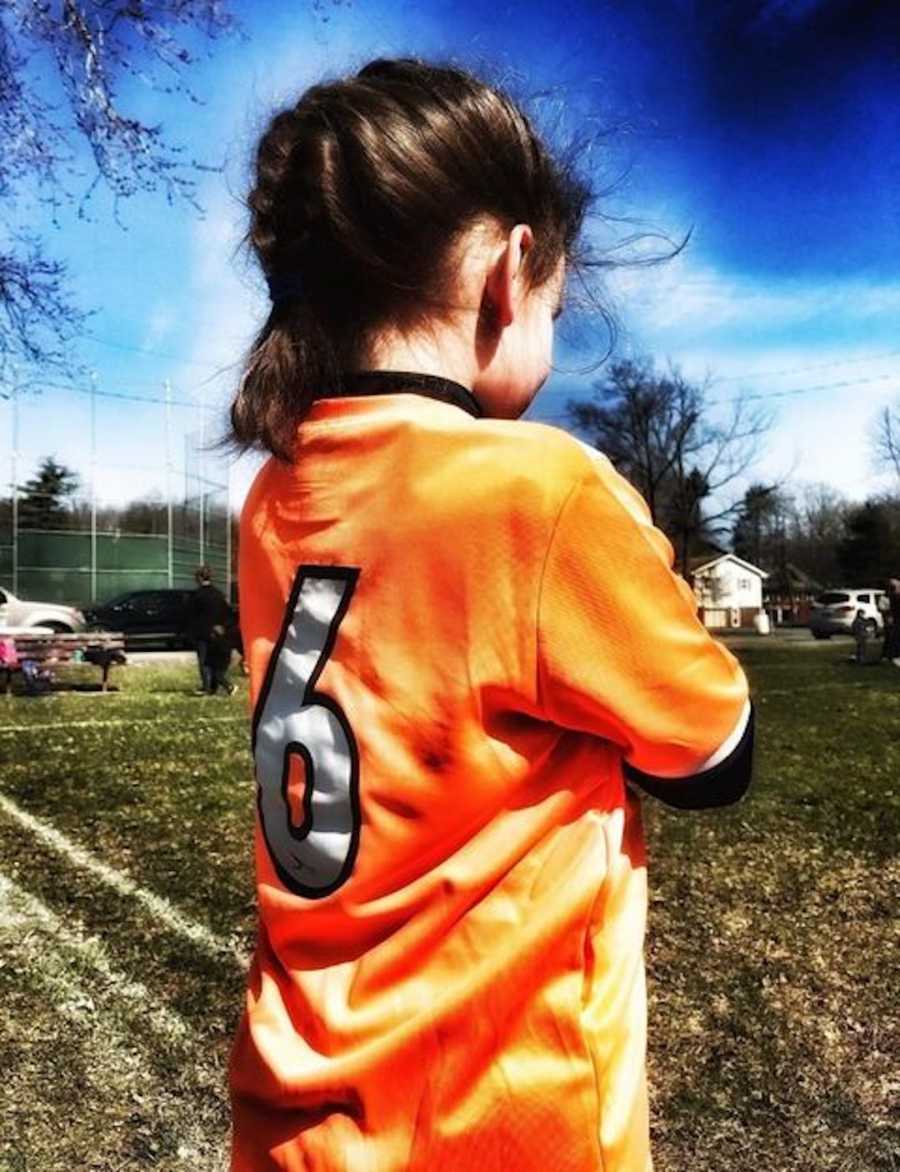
294 721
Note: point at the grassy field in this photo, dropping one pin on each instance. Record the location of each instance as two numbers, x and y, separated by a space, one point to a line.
126 911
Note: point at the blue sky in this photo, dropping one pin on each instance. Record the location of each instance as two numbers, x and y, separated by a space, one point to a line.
772 130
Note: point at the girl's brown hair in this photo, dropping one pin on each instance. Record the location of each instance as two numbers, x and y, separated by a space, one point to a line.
362 189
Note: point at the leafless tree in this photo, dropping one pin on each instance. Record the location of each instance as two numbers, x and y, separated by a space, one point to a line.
886 439
817 529
63 64
660 432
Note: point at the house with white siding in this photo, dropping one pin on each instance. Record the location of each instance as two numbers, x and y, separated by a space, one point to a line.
729 591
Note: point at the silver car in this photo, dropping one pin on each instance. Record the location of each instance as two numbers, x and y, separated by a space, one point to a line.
834 611
49 615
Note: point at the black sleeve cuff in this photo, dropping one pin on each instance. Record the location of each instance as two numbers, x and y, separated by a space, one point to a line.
722 785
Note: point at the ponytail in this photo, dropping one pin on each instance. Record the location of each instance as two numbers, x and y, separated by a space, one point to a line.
362 190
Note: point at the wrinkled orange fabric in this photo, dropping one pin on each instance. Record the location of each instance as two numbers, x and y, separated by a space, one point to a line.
471 996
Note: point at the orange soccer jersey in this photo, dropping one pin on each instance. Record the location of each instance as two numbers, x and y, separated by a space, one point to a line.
458 631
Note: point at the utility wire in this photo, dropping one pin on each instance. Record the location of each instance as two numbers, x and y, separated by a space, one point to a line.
804 390
854 382
216 407
173 402
154 353
761 374
750 375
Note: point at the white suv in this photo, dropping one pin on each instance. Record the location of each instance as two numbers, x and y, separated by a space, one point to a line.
15 613
834 611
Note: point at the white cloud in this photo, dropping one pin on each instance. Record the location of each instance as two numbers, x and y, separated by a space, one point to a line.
824 356
823 398
682 295
159 324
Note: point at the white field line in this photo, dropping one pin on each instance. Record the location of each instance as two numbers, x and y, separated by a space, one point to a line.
79 984
114 699
157 905
17 728
189 694
23 912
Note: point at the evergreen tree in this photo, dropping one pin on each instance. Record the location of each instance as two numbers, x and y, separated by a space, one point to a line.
869 552
760 533
43 503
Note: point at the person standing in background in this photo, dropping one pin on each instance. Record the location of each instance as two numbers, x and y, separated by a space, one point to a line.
892 638
206 609
888 605
883 603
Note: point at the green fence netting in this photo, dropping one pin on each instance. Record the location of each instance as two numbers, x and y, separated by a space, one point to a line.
57 565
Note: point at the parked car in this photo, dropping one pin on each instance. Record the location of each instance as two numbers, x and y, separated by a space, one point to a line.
834 611
145 617
53 616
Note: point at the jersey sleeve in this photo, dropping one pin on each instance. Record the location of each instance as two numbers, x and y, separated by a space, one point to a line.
622 654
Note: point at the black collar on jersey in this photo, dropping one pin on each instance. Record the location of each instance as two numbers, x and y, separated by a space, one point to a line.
402 382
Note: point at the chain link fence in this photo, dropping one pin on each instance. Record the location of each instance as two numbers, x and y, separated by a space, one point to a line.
104 491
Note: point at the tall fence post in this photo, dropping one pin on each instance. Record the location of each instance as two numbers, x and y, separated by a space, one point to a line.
201 480
14 461
93 486
169 535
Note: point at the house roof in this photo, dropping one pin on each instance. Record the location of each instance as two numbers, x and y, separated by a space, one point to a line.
791 577
729 557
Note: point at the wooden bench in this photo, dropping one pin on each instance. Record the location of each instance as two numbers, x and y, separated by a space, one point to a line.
48 648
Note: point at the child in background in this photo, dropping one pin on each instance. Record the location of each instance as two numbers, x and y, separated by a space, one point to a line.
859 629
35 676
9 659
464 638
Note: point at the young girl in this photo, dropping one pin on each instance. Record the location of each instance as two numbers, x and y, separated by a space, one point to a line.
463 637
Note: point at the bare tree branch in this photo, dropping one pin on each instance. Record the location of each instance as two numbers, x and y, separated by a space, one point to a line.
39 320
61 65
886 439
657 430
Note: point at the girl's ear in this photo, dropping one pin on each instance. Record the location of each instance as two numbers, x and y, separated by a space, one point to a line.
505 279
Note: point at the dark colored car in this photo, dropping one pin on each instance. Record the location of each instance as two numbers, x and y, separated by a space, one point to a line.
147 618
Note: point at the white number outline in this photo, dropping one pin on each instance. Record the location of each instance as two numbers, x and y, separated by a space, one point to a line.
309 699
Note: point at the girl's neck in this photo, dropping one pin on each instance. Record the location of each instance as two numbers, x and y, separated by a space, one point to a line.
440 352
